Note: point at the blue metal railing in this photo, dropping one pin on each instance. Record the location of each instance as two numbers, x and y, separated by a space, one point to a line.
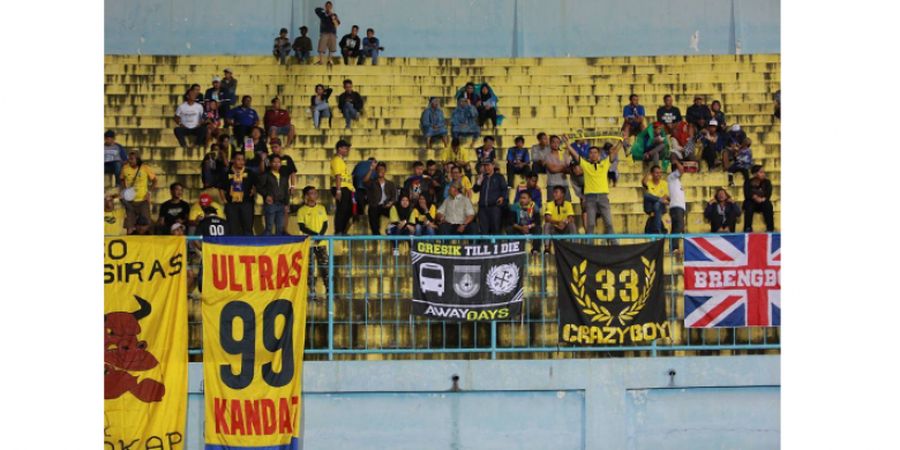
385 325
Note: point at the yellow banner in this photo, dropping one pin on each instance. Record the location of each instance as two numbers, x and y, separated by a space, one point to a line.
145 333
254 321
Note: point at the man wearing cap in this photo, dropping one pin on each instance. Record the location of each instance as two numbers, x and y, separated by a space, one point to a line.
174 210
244 119
492 190
278 122
136 182
517 161
205 201
327 31
215 92
228 94
342 188
239 191
698 114
190 121
113 154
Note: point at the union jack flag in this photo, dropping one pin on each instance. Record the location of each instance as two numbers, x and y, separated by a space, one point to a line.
732 280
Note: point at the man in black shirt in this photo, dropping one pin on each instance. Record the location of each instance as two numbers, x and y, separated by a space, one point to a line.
327 32
757 195
173 210
492 200
668 114
351 46
350 102
211 225
239 192
698 114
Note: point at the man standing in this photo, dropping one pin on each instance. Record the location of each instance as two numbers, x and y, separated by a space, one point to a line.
381 194
189 121
228 93
634 116
456 214
698 114
596 186
137 181
278 122
239 192
656 199
342 188
302 45
517 161
491 200
174 210
351 45
274 187
244 119
757 199
677 204
113 155
312 219
371 46
350 102
327 32
557 165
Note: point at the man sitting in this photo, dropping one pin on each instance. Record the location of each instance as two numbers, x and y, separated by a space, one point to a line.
453 155
464 121
634 116
656 200
350 102
278 122
698 114
758 199
433 124
371 46
531 185
172 211
282 47
190 122
381 194
668 114
559 216
526 219
243 119
517 161
456 214
303 46
351 46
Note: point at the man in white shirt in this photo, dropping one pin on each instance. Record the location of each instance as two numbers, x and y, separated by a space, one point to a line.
456 214
676 200
190 122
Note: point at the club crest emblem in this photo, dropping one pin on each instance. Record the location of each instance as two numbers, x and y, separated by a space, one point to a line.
466 280
502 279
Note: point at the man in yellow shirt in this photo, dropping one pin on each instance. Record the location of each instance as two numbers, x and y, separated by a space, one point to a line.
342 188
312 219
139 179
453 155
113 219
596 185
559 215
656 199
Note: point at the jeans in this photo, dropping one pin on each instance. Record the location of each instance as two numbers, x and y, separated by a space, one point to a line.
274 219
375 214
199 134
677 215
594 203
512 171
350 113
424 230
282 54
343 211
372 53
302 56
653 205
321 110
489 219
240 218
449 229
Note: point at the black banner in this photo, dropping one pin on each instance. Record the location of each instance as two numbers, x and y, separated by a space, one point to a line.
611 295
468 282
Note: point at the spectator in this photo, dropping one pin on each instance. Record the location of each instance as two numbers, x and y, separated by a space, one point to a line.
527 219
359 172
613 174
278 122
137 182
656 200
282 48
464 121
288 168
463 183
113 218
492 190
433 123
722 213
698 114
214 93
677 204
189 121
596 186
559 217
713 142
195 89
435 181
174 210
557 165
350 102
453 155
327 32
255 147
424 216
668 114
351 46
113 155
177 229
517 161
688 142
212 223
456 214
228 93
743 161
531 185
312 219
239 192
213 168
757 199
302 46
243 119
652 144
274 187
212 119
634 116
468 92
227 145
371 46
717 114
342 189
381 194
486 153
539 151
401 219
415 184
734 137
582 149
205 202
318 104
487 106
777 99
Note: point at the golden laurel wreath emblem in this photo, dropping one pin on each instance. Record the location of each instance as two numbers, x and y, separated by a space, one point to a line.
599 313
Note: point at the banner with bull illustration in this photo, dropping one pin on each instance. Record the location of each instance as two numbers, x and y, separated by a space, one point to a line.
611 295
468 282
145 362
254 320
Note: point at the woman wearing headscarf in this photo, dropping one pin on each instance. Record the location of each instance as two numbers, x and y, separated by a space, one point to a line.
423 216
487 106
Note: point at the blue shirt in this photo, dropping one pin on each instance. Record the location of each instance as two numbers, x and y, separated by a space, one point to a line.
243 116
517 154
632 112
583 149
535 195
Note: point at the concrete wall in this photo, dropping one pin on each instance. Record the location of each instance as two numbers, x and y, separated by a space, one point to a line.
710 403
472 28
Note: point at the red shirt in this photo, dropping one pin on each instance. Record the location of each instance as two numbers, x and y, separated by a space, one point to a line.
277 118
